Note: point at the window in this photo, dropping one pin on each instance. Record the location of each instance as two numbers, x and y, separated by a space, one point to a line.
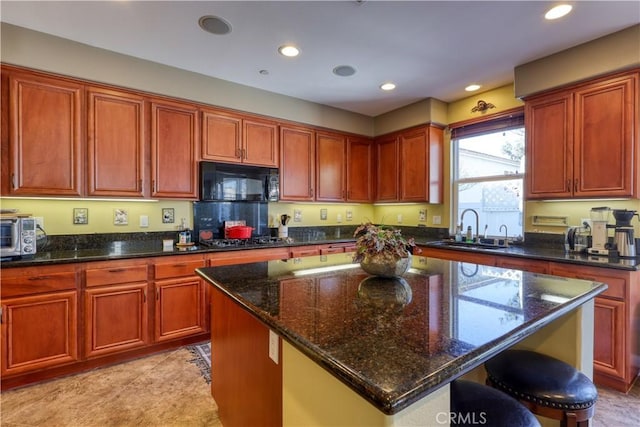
488 172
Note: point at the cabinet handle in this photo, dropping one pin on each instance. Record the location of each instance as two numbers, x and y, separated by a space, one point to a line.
569 185
311 192
238 153
13 180
40 278
153 185
140 185
157 295
1 315
144 297
575 187
117 270
179 265
244 153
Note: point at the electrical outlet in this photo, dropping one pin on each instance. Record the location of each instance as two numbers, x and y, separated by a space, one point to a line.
39 221
437 220
349 215
274 347
297 215
144 221
422 215
399 218
339 218
323 214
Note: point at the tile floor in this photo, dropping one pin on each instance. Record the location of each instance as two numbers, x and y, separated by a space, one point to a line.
167 390
163 390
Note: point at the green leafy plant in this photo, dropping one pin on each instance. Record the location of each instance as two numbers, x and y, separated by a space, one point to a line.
383 242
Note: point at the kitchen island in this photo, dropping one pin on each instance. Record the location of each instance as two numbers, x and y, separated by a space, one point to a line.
318 342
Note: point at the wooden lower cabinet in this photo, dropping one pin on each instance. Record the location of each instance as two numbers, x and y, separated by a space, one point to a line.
116 318
39 319
616 358
180 298
532 265
39 331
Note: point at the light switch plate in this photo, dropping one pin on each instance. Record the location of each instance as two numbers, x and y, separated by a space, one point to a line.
422 215
437 220
297 215
349 215
144 221
323 214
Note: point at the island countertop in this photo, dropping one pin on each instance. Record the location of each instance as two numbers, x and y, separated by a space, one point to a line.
396 341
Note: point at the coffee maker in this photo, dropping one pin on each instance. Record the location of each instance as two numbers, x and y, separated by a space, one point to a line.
599 232
623 236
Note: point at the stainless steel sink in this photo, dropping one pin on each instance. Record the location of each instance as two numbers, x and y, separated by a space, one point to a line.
470 245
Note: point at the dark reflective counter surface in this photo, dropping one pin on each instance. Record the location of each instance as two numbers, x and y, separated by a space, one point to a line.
396 340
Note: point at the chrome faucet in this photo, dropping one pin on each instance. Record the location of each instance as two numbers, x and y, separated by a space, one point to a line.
506 235
477 220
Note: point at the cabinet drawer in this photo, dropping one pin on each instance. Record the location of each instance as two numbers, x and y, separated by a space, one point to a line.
116 274
299 253
177 269
27 282
616 280
334 250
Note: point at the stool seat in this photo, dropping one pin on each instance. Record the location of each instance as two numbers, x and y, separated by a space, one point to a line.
541 379
474 404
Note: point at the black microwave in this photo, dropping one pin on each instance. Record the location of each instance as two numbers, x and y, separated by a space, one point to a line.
226 182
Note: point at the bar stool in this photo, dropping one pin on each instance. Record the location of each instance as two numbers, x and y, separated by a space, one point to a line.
547 386
474 404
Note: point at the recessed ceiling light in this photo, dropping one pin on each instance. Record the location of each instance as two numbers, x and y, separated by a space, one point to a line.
472 88
214 25
558 11
288 50
344 70
388 86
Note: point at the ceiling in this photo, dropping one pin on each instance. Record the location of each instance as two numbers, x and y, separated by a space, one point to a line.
427 48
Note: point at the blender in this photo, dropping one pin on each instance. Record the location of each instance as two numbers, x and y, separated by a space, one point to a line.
599 233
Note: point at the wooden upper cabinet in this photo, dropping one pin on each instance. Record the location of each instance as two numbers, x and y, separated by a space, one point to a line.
583 141
175 134
359 170
45 135
221 137
231 138
116 141
409 165
387 169
330 167
260 143
605 147
297 163
549 146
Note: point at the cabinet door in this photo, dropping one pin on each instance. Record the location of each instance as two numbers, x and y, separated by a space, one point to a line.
116 318
414 158
45 131
174 140
330 167
608 347
116 143
221 137
297 160
360 176
549 145
604 153
387 169
180 308
260 143
39 331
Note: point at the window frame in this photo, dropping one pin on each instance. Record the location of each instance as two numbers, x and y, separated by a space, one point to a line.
508 119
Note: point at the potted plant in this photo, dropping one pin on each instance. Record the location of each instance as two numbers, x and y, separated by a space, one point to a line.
382 250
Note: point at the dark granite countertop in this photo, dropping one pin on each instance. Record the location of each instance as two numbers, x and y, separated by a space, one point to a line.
543 253
101 250
396 342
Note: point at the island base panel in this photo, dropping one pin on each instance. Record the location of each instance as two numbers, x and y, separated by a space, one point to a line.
313 397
